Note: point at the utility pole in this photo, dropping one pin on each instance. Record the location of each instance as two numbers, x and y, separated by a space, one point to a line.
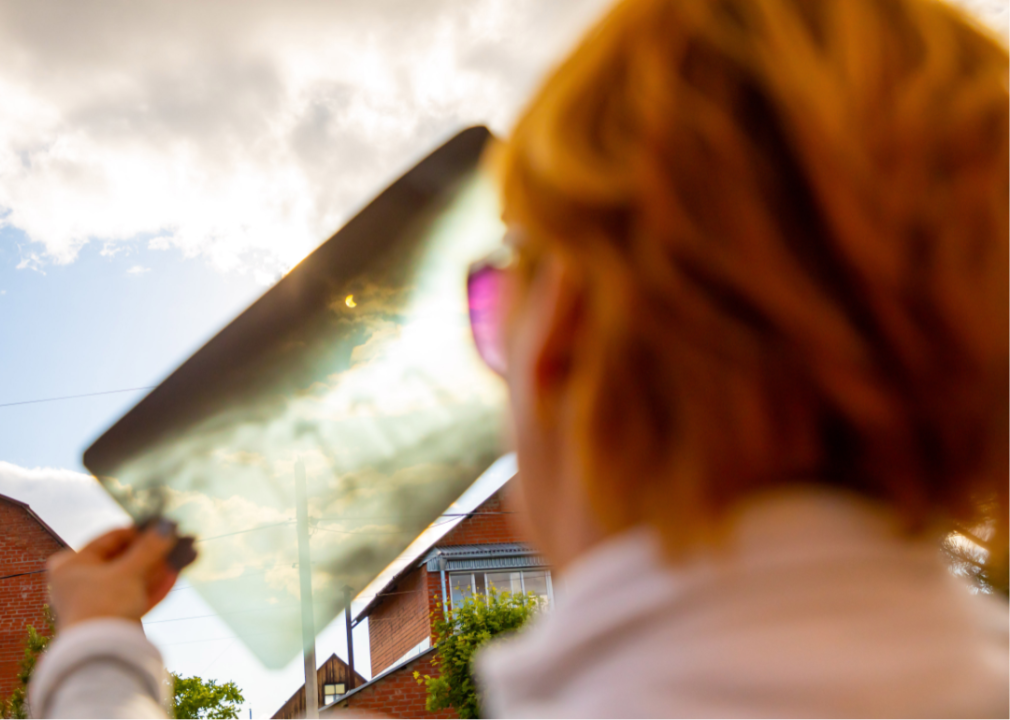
305 581
348 596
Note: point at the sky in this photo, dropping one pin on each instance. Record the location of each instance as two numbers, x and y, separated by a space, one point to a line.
161 164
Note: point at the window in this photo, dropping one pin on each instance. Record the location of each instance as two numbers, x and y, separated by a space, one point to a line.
506 581
538 582
331 691
460 587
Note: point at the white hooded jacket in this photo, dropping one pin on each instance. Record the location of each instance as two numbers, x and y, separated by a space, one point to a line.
817 607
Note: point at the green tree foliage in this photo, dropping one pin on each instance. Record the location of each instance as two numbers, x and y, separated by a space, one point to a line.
457 638
16 706
194 697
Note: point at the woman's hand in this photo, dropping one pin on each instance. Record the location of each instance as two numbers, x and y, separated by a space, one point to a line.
121 574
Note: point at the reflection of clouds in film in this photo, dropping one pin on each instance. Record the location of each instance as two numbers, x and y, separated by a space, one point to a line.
386 405
401 363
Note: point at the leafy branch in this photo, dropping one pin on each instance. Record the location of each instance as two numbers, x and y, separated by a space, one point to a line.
459 634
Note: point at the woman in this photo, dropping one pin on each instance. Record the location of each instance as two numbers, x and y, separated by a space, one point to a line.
755 340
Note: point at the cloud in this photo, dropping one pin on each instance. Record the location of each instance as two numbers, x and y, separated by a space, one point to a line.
245 136
71 503
994 13
138 270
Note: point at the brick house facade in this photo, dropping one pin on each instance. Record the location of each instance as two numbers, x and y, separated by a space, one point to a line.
399 617
393 694
403 621
331 679
26 542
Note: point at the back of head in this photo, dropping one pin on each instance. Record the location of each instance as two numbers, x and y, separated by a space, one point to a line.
793 219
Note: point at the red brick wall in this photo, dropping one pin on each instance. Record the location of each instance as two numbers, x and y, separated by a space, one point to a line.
399 622
396 695
402 619
495 527
24 547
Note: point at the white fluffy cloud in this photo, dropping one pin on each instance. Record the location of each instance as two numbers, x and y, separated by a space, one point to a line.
244 133
994 13
71 503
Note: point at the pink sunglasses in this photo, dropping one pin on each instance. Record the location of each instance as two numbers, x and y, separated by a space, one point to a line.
485 292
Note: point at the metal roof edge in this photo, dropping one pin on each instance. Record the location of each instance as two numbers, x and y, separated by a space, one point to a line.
431 558
511 549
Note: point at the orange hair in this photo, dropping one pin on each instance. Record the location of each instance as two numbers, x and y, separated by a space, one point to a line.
792 221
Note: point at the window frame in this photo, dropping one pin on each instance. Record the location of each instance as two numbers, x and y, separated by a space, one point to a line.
339 688
484 572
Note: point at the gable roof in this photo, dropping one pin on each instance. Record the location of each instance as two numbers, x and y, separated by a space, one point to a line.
411 558
378 678
422 557
359 681
27 508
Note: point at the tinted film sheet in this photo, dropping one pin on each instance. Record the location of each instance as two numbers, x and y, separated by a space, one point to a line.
356 369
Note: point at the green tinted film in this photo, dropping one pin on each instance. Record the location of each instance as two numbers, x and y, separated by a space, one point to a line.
356 370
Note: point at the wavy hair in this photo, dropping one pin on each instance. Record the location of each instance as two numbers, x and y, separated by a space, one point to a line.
792 221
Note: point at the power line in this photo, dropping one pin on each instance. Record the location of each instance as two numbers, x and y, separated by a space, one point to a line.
226 637
265 608
362 532
315 526
194 586
398 517
314 522
219 656
74 397
33 572
252 529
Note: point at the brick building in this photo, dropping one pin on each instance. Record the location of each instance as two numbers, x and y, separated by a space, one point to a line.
26 542
484 550
331 680
394 693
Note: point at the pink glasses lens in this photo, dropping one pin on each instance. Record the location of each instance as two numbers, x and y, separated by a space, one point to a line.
484 290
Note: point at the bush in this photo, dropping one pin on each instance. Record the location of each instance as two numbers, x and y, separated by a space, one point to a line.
16 706
457 638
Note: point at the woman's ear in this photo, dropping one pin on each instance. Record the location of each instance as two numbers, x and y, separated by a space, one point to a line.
558 292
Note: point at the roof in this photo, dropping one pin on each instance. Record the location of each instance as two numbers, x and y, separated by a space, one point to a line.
491 556
483 557
392 669
27 508
335 659
418 559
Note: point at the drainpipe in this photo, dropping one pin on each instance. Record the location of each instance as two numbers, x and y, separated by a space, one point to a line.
348 597
441 570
